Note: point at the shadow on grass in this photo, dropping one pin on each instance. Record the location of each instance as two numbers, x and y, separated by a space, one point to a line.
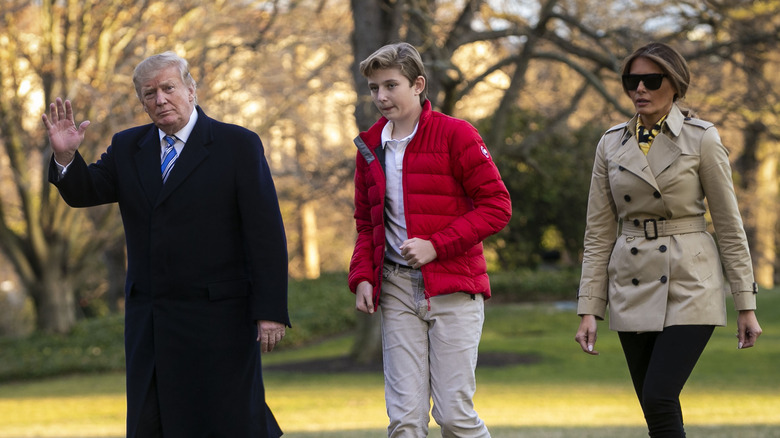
345 364
759 431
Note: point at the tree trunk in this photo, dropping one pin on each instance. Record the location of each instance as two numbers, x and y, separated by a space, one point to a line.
758 166
765 253
375 25
55 302
309 243
367 348
116 266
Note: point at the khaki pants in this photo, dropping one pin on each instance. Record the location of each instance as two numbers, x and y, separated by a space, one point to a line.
429 353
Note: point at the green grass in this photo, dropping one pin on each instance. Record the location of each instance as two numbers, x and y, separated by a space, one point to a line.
566 393
733 393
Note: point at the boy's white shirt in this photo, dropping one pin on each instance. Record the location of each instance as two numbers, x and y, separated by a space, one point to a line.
395 228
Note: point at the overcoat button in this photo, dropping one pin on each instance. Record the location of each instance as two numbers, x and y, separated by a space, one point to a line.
621 168
662 248
657 194
634 251
663 279
635 281
636 222
627 198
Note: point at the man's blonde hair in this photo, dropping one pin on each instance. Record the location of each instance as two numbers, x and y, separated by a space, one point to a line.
150 66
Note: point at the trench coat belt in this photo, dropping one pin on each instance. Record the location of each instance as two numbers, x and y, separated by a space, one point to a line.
653 229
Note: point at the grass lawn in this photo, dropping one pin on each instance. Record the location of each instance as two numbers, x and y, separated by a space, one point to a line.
565 393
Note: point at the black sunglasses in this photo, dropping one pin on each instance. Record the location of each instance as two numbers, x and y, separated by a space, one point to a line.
652 81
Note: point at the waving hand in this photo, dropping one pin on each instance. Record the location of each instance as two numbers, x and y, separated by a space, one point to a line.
64 136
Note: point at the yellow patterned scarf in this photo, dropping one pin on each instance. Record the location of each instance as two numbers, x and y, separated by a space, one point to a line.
645 137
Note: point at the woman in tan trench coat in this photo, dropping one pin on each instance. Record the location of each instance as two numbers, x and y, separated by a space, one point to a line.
647 251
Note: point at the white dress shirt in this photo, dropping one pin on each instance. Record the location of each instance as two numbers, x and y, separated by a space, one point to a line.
395 225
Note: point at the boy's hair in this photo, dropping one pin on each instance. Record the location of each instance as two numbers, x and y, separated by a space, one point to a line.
152 65
671 62
402 56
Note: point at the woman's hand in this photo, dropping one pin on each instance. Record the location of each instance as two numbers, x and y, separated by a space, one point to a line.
586 334
748 329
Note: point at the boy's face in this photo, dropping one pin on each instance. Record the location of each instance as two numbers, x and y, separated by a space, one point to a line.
395 98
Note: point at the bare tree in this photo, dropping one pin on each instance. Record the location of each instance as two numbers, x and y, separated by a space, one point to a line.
86 51
48 49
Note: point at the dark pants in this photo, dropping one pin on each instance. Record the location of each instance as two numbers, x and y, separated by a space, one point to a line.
660 364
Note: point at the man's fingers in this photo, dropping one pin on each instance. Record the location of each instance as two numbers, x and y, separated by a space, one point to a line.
68 110
83 127
270 339
269 334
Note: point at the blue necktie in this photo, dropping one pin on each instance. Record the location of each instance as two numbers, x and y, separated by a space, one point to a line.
169 156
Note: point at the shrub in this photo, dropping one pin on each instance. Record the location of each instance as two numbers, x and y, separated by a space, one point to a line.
535 285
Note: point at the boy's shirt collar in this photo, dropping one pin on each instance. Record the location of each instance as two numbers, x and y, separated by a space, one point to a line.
387 134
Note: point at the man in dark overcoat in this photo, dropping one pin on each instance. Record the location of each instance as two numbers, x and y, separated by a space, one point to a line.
206 287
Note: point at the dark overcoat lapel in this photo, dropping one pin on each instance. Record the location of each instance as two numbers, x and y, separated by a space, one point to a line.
193 153
147 163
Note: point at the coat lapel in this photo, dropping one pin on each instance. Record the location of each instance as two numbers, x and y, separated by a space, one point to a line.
663 153
665 150
193 153
631 158
147 161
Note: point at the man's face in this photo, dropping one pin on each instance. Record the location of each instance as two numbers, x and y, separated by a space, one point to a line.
167 100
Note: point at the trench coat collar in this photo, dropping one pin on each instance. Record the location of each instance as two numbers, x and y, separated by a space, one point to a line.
662 154
631 158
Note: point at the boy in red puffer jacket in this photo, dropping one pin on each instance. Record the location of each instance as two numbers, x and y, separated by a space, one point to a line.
427 193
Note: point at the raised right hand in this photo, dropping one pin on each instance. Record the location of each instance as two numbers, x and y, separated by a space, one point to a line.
64 137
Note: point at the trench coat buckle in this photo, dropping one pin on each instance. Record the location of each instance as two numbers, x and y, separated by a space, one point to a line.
654 235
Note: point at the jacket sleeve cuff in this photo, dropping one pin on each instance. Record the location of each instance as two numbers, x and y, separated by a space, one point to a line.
591 306
744 300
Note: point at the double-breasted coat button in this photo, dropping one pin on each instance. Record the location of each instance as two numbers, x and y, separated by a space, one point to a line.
627 198
663 279
634 251
635 281
636 222
621 168
662 248
657 194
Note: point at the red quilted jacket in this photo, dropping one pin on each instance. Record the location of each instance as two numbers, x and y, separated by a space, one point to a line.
453 196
